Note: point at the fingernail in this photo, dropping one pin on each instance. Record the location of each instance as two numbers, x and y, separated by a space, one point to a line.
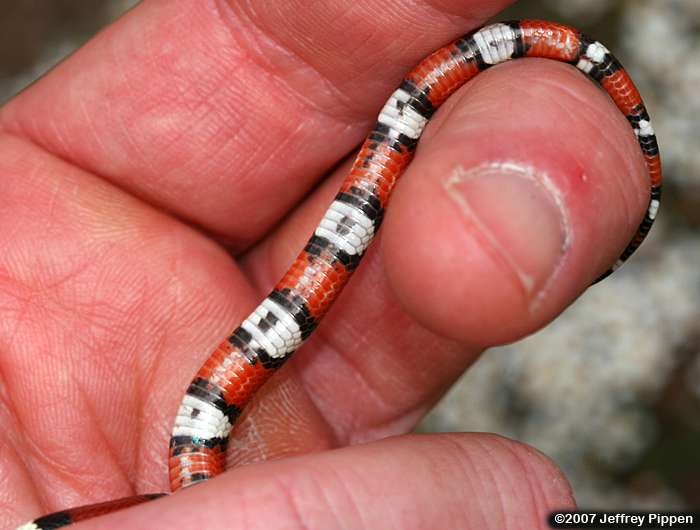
520 216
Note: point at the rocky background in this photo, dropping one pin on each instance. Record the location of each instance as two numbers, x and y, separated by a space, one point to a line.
611 390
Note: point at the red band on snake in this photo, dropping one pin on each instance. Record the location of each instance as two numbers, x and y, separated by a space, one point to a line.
267 338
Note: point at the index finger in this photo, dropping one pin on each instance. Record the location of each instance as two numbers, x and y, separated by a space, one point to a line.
210 109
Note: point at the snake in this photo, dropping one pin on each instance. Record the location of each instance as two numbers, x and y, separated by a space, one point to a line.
280 324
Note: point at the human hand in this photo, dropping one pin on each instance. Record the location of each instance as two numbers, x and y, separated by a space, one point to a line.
221 119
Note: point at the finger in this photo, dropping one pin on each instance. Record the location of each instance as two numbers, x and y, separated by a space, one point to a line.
226 113
525 188
438 481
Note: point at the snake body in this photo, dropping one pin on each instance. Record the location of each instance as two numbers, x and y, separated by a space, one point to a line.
267 338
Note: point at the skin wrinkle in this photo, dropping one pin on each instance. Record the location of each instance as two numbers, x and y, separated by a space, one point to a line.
227 13
399 424
141 384
199 112
29 142
409 416
327 349
457 453
87 116
465 461
288 498
88 313
315 487
95 419
32 457
6 446
191 96
255 437
241 134
127 477
355 512
507 484
271 154
21 315
13 435
98 315
248 501
367 431
63 473
147 162
539 498
56 190
352 112
27 458
195 93
493 480
456 18
50 293
254 443
46 293
55 130
6 405
265 270
526 456
262 275
403 30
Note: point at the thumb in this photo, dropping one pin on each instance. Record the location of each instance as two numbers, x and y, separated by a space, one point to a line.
525 188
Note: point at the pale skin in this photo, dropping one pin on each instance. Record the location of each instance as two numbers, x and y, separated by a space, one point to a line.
158 183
